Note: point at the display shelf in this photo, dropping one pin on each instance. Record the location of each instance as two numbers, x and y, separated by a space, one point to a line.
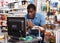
3 20
13 8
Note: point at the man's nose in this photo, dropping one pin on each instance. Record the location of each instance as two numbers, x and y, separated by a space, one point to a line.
29 13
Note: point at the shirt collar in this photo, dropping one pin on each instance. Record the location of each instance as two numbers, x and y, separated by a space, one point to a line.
36 15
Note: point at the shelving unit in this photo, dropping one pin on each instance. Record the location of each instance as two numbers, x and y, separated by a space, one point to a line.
12 8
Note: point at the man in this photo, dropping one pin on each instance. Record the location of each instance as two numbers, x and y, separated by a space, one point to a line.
34 19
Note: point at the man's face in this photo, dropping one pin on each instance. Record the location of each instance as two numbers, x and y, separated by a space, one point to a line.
31 12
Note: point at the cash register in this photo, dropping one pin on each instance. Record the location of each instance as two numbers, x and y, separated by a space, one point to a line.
16 27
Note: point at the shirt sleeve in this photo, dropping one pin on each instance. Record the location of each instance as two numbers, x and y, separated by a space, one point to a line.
42 20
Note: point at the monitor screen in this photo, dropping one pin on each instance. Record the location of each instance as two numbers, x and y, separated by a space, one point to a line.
16 26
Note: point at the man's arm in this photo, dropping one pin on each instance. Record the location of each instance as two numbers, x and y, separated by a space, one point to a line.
43 22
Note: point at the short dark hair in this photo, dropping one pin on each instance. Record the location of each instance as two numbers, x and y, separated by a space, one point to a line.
31 6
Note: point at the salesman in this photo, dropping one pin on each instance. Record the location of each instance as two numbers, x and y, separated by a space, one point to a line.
35 19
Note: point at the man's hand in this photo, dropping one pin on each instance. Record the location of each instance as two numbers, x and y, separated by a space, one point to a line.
42 29
30 24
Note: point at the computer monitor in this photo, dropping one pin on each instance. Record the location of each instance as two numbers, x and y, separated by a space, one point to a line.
16 26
